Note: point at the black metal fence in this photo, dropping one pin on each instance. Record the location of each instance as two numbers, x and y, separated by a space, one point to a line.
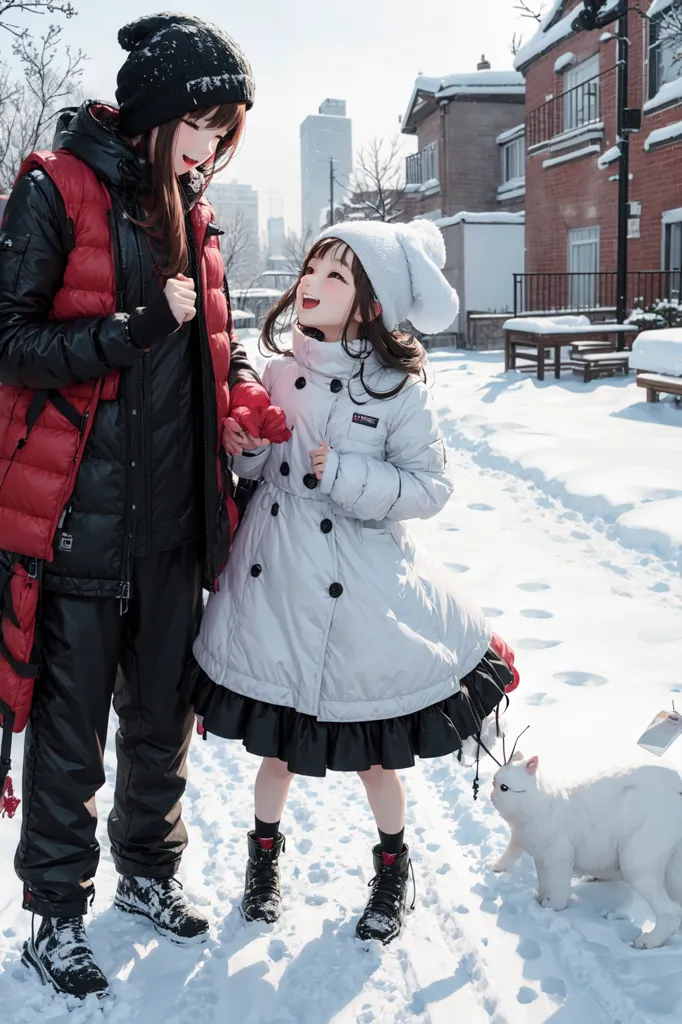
592 292
575 108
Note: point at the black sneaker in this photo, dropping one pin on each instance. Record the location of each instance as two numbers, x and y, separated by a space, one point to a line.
385 911
163 902
62 956
262 897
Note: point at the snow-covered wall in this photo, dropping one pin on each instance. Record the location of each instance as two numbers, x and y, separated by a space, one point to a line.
493 253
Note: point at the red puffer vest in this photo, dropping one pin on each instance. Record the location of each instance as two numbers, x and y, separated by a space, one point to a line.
43 434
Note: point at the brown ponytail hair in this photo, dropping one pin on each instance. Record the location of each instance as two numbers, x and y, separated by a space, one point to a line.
164 206
394 349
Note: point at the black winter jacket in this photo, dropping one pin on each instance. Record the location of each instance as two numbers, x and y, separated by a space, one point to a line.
144 474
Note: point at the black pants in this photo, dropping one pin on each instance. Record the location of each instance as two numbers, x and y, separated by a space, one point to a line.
91 652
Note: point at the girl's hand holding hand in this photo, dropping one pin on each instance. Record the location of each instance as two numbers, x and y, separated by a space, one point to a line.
236 439
181 298
318 459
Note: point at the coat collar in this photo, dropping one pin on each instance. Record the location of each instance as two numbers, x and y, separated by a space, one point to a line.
329 358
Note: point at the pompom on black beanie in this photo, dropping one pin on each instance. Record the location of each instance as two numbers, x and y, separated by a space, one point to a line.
177 64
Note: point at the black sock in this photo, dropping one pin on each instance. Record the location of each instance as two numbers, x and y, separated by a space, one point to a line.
267 831
392 844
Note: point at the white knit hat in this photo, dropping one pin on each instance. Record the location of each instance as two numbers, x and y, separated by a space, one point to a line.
403 263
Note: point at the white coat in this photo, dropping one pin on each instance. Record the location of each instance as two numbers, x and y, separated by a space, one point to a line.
326 604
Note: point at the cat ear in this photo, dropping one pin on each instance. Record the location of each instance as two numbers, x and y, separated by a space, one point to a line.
532 764
518 756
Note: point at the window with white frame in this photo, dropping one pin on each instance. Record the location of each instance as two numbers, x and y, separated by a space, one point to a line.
514 160
581 94
583 266
665 43
672 252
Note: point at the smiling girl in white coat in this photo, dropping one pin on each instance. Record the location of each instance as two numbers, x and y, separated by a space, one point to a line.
335 643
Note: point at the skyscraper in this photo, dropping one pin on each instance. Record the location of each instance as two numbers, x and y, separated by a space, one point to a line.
276 235
324 136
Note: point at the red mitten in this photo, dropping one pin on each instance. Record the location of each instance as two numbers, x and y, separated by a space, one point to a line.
504 651
274 425
247 401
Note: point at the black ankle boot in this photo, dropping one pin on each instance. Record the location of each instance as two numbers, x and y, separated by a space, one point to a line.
62 956
262 898
385 911
162 902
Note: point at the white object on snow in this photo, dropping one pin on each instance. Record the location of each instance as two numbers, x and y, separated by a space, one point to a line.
619 825
608 158
662 135
562 325
670 92
464 217
658 351
605 37
566 60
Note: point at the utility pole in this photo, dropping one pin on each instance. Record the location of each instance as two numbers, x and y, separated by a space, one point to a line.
623 168
628 120
331 190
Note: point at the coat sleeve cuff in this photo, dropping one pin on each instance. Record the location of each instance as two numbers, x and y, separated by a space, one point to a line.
331 471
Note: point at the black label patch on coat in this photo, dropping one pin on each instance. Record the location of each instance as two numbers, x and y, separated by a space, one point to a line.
365 421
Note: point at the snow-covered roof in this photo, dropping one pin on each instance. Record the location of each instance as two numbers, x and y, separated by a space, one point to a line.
608 158
482 218
552 30
566 60
472 83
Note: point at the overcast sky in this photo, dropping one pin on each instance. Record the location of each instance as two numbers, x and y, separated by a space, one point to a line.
367 52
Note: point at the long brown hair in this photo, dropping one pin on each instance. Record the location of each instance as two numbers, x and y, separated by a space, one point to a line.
164 206
394 349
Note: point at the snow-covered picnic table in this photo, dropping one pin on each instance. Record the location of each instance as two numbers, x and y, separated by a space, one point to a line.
657 357
531 337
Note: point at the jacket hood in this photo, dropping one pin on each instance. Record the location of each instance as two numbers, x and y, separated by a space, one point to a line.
91 133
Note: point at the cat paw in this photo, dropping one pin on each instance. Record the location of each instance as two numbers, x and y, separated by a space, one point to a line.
644 941
550 904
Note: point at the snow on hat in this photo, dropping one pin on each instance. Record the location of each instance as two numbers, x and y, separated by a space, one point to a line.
178 63
404 264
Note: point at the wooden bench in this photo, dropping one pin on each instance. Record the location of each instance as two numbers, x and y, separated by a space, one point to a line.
657 384
540 347
600 364
579 348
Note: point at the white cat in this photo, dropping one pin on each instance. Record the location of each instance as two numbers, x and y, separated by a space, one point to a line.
622 825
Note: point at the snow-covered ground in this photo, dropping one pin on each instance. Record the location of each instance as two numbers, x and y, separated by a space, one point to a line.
565 524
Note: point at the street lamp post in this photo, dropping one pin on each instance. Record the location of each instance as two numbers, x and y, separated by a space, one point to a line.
598 14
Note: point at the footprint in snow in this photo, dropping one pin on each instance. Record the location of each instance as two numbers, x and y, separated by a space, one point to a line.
536 613
457 567
480 506
660 588
526 995
532 643
533 588
538 699
553 987
529 949
492 613
580 678
277 949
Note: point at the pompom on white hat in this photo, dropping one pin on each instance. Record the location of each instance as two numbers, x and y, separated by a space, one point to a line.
404 264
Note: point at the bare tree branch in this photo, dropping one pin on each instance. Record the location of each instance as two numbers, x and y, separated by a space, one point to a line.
670 30
296 249
377 189
527 11
240 249
29 104
516 43
32 7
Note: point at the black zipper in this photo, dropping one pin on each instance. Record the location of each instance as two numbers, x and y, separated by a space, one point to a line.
208 466
125 587
143 378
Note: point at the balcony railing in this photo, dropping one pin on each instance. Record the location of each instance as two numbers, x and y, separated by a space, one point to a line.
422 167
575 108
592 292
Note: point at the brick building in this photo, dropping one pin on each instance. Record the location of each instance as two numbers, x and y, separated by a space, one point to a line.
572 160
470 136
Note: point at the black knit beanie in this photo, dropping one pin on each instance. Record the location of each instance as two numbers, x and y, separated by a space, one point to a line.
177 64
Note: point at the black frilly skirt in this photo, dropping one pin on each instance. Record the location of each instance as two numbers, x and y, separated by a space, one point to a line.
311 747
